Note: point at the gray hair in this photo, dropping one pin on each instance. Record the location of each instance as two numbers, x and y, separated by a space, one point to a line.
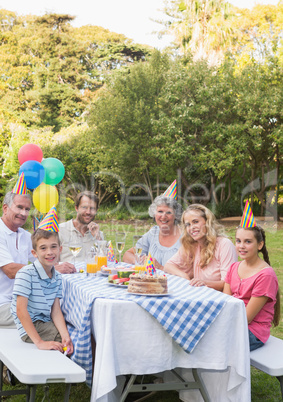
9 198
170 203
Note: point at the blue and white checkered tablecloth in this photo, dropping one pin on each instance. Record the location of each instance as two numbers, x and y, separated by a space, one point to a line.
185 314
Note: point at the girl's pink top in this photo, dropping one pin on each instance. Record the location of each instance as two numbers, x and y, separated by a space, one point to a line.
224 255
263 283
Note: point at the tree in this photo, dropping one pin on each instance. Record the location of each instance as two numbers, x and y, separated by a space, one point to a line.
121 121
259 111
51 70
201 27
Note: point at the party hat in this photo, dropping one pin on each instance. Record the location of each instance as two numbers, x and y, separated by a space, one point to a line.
171 190
248 220
150 269
50 222
20 187
110 252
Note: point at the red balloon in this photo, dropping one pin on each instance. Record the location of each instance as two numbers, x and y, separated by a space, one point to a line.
30 152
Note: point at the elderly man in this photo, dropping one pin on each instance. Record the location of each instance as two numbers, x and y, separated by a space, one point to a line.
82 230
15 249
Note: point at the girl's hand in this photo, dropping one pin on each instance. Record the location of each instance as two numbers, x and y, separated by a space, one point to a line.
157 265
197 282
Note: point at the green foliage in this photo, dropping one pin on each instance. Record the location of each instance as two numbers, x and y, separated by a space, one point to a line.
50 70
121 121
149 118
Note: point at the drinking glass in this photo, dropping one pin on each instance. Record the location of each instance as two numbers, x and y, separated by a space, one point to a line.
75 246
91 263
120 243
137 250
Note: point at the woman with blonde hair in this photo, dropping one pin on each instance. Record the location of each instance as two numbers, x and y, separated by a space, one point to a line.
206 253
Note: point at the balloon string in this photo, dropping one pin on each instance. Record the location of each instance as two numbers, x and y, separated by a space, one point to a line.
38 221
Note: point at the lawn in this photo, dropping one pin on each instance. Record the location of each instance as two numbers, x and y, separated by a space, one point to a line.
264 387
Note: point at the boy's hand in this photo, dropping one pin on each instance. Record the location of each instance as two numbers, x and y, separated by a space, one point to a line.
50 345
67 343
65 268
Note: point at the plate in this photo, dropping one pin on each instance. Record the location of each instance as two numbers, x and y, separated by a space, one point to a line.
117 285
150 294
104 273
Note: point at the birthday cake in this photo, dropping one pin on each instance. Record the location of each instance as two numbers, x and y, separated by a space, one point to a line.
148 284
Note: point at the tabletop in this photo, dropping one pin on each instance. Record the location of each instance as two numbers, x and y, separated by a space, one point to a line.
185 319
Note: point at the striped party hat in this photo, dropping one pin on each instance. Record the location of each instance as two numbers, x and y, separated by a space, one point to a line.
248 220
20 187
50 222
150 269
171 190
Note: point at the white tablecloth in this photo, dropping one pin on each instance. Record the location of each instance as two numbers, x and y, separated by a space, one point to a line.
131 341
186 313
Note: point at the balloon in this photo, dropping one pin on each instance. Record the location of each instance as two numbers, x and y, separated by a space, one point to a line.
45 197
34 173
30 152
54 171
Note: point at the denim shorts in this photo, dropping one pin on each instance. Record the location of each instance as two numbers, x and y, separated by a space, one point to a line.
255 343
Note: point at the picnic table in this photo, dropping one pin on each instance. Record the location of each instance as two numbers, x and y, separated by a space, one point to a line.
189 328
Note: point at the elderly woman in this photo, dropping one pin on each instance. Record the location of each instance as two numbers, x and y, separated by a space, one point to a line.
206 253
162 241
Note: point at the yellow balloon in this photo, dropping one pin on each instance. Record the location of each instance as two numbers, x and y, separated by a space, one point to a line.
45 197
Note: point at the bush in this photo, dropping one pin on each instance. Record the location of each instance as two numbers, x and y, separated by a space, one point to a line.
226 209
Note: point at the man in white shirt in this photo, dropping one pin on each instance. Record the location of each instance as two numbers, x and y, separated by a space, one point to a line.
82 230
15 249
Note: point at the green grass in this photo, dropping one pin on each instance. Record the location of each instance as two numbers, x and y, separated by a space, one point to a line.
264 387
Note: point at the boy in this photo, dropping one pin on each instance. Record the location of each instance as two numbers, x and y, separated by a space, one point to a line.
37 290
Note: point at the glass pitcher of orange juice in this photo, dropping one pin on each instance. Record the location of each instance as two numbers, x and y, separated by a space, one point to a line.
101 257
91 263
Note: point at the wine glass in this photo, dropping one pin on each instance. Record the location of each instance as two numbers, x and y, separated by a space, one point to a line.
75 246
139 266
137 249
120 243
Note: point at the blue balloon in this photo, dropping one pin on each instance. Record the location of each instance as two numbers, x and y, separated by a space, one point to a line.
34 173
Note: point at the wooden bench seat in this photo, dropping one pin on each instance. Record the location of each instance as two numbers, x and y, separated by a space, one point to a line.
32 366
269 359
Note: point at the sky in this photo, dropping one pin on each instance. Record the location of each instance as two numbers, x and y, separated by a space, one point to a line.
133 18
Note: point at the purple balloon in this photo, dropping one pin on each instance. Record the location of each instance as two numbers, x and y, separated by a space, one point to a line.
34 173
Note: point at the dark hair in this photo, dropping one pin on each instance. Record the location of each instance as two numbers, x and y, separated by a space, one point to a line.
259 234
88 194
43 234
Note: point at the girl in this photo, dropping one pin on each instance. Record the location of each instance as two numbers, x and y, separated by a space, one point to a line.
254 281
206 253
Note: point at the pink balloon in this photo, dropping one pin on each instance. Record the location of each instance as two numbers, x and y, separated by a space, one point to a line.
30 152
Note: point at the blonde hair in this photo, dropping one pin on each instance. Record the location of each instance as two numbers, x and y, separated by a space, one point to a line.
213 230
